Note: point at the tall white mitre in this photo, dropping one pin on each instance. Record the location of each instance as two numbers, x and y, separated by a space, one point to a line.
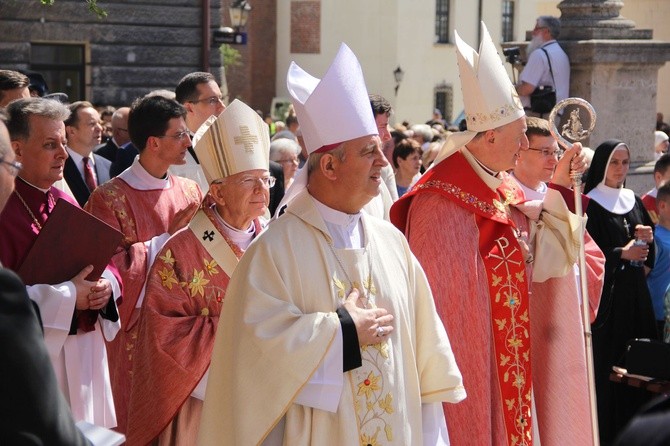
235 141
489 97
330 110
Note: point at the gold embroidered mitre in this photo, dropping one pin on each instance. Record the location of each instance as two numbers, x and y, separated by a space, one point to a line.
236 141
489 97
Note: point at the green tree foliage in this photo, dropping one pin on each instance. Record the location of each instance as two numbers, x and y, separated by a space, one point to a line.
231 56
92 7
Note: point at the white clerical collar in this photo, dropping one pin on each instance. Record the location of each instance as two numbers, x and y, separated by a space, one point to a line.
652 193
241 238
616 200
345 229
487 175
32 185
138 178
532 194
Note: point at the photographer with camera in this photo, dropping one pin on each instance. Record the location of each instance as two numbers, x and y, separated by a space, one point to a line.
545 79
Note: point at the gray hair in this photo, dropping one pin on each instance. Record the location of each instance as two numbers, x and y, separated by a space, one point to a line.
282 146
315 158
552 23
424 131
19 112
167 94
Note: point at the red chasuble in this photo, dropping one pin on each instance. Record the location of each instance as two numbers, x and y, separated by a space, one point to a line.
180 314
140 215
507 283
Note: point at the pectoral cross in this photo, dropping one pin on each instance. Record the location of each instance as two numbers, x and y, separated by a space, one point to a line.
208 235
627 226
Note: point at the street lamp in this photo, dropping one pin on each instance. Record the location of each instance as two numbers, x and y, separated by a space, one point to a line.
398 75
239 14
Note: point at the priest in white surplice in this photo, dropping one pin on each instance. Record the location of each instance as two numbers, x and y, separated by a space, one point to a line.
329 334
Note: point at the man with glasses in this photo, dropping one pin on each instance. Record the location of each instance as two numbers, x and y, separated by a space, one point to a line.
187 284
329 333
547 62
201 96
555 306
147 204
120 135
78 312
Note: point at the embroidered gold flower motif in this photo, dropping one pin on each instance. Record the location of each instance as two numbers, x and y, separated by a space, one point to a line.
382 348
369 440
168 278
167 258
514 342
520 276
510 404
504 359
519 380
369 385
197 283
524 316
340 287
495 280
501 323
386 403
211 267
204 312
370 286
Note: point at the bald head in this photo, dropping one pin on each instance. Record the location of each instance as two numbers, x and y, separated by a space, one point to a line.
120 126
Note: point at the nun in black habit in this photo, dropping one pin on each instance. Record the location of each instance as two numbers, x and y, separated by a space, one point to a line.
616 217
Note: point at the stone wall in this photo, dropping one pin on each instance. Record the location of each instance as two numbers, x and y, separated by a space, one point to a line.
136 49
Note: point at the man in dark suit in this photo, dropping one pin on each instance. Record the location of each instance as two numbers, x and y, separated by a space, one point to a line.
119 137
277 191
32 409
84 170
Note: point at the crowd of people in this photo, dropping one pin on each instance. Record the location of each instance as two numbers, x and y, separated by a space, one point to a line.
326 279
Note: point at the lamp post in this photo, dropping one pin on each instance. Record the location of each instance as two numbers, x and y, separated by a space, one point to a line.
398 75
239 14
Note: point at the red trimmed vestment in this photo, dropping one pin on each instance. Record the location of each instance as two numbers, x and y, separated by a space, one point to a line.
466 236
139 215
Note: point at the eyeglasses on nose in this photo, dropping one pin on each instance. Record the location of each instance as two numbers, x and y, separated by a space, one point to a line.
179 136
251 182
548 152
213 100
14 166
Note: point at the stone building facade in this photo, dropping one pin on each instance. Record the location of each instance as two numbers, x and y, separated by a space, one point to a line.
138 47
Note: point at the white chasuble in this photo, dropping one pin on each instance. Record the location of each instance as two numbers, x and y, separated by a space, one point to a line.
280 309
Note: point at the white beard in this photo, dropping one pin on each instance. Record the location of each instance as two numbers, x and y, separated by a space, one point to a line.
534 44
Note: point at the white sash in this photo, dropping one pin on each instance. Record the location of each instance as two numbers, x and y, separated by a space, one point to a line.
213 242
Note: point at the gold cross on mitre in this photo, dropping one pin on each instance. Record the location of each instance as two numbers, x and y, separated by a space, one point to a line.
246 138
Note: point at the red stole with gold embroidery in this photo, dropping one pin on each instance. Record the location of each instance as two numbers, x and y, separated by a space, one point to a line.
506 273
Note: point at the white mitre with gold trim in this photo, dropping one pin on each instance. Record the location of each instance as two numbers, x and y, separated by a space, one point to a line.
331 110
235 141
489 97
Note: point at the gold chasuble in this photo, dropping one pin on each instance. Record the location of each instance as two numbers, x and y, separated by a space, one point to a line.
507 282
280 312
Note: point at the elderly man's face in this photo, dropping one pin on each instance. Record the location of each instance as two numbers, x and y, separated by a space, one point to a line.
7 172
359 174
243 197
43 153
509 140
